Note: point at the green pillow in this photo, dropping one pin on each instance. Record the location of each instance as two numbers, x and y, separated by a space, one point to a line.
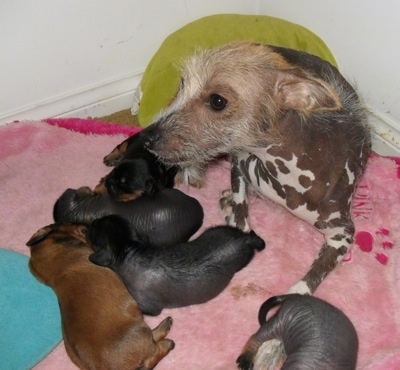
161 78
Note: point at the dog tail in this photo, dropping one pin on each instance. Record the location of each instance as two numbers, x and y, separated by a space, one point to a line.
267 305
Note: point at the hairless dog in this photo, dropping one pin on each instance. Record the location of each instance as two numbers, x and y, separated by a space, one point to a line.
179 275
166 218
315 335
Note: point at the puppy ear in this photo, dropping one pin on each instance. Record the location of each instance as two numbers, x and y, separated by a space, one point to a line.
39 236
305 94
102 257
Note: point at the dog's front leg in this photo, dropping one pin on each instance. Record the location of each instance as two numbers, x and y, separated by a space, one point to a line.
234 201
339 240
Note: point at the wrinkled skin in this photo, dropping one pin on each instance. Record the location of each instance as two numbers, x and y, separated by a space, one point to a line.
165 218
180 275
315 334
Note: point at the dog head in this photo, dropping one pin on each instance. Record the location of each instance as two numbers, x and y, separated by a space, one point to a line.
51 242
110 237
69 202
138 176
230 99
131 179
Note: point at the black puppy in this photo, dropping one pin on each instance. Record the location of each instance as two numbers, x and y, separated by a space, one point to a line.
176 276
137 171
167 218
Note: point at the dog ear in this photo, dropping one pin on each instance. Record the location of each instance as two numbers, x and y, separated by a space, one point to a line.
102 257
39 236
305 94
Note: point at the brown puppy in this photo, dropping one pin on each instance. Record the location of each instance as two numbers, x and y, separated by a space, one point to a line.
102 325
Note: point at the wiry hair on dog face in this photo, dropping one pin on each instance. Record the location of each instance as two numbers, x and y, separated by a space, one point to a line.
232 97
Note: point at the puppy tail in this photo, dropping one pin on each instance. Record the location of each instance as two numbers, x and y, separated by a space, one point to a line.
267 305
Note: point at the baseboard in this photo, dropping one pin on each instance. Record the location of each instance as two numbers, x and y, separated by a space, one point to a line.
97 100
385 134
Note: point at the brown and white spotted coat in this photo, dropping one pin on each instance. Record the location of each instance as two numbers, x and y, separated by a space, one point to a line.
295 129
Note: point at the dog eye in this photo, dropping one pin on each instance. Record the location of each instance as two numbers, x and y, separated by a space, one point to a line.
217 102
122 180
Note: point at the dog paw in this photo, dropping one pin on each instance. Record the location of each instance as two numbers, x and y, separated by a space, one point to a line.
245 361
112 159
166 324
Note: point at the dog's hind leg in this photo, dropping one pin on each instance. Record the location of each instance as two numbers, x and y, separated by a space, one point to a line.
162 330
234 202
162 346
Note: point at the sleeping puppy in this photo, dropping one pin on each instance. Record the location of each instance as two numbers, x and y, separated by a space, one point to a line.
167 218
179 275
136 172
315 335
102 325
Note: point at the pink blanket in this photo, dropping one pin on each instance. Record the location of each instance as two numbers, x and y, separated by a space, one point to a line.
38 161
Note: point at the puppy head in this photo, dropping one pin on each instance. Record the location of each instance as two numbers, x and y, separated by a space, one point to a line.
110 237
229 100
50 246
130 179
68 202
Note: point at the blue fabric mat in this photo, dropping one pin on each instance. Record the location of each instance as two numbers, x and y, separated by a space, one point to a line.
30 322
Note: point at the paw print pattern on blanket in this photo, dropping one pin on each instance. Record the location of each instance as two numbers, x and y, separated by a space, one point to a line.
380 242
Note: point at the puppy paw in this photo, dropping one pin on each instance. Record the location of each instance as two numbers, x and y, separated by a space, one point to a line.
111 160
167 323
100 188
245 361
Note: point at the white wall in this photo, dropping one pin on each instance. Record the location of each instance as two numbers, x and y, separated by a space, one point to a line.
59 56
84 57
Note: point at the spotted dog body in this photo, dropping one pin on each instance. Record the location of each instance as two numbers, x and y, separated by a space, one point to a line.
295 129
321 198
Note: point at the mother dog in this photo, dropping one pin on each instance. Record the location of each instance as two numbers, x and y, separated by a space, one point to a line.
295 129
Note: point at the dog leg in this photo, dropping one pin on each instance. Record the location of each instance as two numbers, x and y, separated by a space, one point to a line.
339 241
163 346
234 202
162 330
117 154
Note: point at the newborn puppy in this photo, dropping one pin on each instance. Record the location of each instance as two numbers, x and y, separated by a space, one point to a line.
168 217
137 172
315 335
180 275
102 325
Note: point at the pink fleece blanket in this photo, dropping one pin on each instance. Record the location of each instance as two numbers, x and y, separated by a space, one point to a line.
38 161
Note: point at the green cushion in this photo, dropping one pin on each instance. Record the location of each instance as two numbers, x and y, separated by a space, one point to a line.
30 321
160 81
